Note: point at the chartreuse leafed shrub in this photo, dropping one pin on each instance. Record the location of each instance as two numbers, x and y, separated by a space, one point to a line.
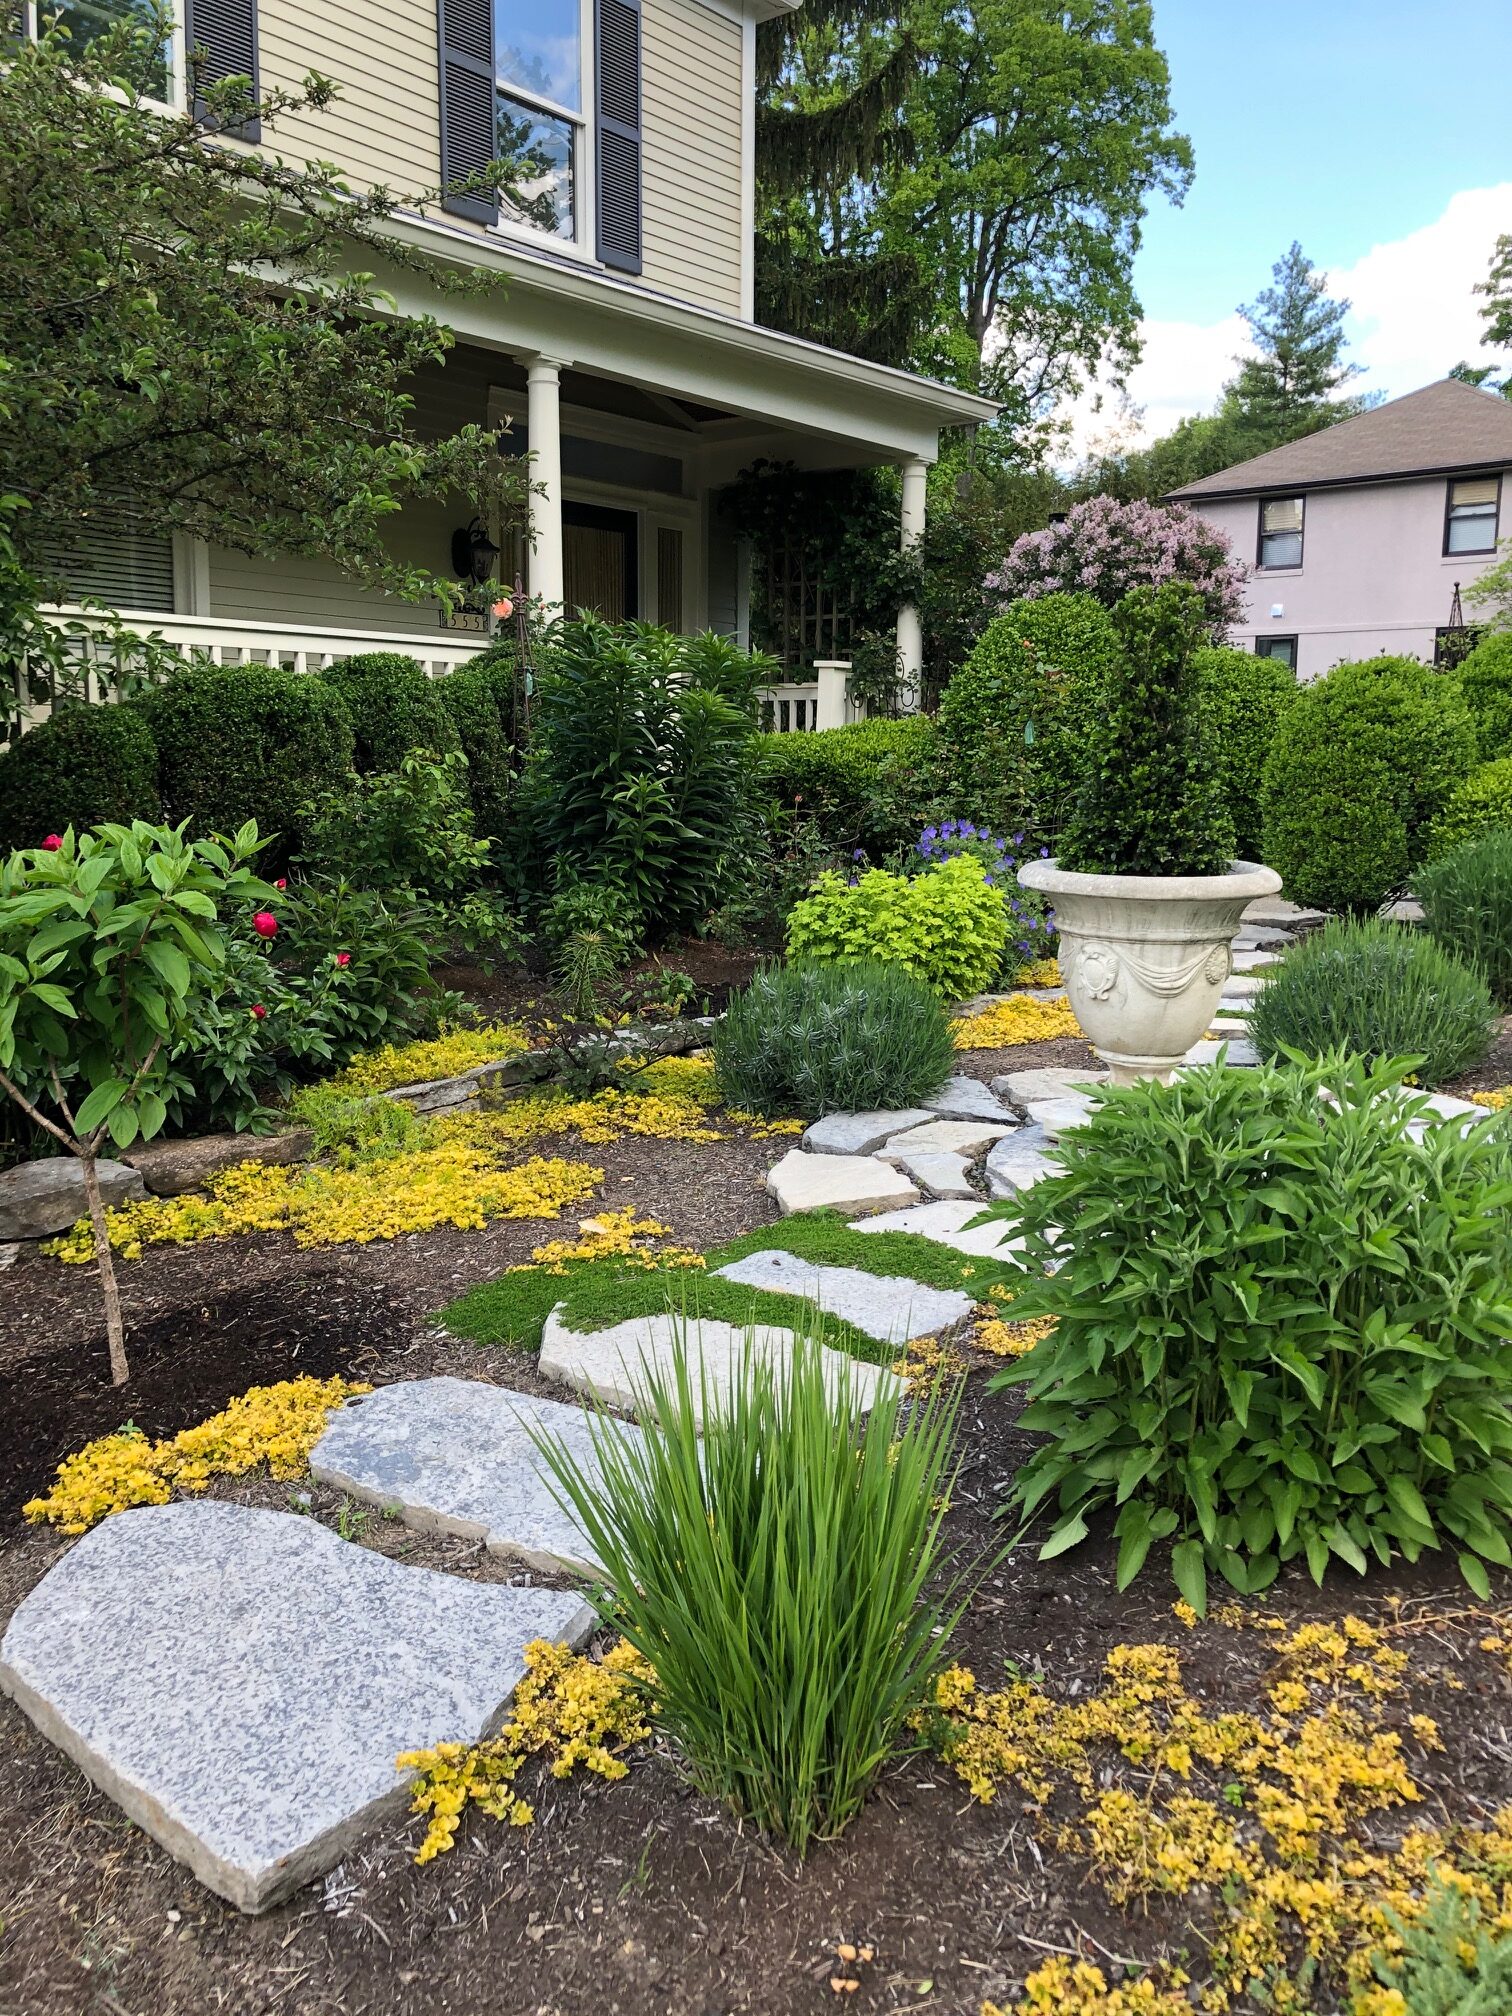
1363 764
1282 1326
1447 1962
813 1039
84 766
778 1571
869 785
1486 679
1482 804
1379 990
393 708
240 742
1150 803
1467 906
1245 698
1017 718
947 926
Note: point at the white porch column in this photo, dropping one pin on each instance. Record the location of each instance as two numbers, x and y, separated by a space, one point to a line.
910 630
543 420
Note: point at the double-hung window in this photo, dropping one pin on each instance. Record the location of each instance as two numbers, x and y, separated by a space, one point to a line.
1280 532
1470 514
538 70
86 21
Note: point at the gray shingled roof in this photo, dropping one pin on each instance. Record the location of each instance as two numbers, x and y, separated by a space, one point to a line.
1446 426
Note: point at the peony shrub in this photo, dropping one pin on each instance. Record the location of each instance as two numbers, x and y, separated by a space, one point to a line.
1104 548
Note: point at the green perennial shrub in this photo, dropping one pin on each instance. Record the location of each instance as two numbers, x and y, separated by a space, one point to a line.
868 786
1245 698
947 926
1482 804
776 1570
1467 906
1283 1327
472 706
1485 677
83 766
813 1039
1378 990
1363 763
393 708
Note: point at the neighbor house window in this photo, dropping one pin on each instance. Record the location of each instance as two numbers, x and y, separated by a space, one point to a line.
1470 520
1280 532
87 21
1284 648
538 67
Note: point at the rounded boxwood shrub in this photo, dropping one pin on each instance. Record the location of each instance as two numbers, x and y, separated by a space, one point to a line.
1376 990
947 927
1467 906
394 709
239 742
1016 719
468 697
1363 764
82 765
1482 804
1245 699
814 1039
870 785
1486 678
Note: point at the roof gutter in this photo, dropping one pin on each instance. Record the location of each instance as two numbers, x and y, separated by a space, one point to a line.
1309 483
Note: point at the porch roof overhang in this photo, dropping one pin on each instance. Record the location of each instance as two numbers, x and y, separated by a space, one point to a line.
558 307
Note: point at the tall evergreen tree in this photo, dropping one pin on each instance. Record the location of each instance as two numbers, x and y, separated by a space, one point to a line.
1299 331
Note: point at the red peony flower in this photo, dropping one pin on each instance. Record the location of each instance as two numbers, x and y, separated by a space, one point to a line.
282 882
259 1013
343 958
265 924
53 842
503 608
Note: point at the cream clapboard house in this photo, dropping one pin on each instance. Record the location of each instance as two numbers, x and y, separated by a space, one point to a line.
625 356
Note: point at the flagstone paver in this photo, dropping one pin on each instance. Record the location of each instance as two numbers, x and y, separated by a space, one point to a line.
888 1307
240 1681
939 1174
1058 1116
962 1098
1041 1083
948 1137
860 1133
949 1224
1019 1162
846 1183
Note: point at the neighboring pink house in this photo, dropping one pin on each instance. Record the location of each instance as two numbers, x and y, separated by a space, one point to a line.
1359 535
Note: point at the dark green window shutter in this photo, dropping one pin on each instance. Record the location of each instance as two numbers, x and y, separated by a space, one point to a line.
618 69
224 33
467 106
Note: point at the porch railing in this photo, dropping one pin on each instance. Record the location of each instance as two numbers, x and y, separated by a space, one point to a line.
797 705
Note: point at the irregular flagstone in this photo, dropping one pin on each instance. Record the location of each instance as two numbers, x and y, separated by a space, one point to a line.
947 1223
889 1307
617 1364
1058 1116
1262 937
962 1098
240 1681
859 1133
457 1456
948 1137
1450 1108
1236 1050
844 1183
940 1174
1251 962
1042 1083
1276 913
1019 1162
1241 987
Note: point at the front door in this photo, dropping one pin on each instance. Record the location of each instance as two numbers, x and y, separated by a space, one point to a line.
600 562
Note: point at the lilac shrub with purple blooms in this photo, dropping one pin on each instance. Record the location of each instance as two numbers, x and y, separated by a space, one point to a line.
1031 926
1104 548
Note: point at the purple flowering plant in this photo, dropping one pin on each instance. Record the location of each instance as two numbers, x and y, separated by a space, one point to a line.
1031 926
1104 548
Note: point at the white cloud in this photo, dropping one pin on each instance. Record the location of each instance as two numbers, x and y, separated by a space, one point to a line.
1414 314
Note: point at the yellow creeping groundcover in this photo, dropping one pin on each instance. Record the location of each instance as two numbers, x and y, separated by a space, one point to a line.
1495 1100
443 1056
1018 1019
618 1233
272 1426
569 1709
1038 973
1277 1856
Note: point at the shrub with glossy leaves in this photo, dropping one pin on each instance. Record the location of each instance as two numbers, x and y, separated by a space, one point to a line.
1485 676
472 705
1283 1326
947 926
393 708
813 1039
1245 699
869 785
1467 906
1378 990
1363 764
82 766
1482 804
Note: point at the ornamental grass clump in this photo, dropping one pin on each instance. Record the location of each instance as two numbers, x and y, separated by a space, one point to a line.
813 1039
1282 1318
773 1569
1467 907
1379 990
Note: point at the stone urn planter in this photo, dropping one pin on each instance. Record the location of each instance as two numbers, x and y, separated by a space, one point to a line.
1144 957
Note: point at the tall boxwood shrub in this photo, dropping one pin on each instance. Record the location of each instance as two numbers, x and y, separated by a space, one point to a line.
870 785
1362 765
1486 679
471 704
1015 721
239 742
1245 698
81 766
1482 804
394 709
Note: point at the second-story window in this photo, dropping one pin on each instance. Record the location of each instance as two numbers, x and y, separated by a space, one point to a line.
1470 515
538 64
87 21
1280 532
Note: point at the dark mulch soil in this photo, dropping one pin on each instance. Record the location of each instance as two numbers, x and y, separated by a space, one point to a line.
1491 1075
1062 1053
511 993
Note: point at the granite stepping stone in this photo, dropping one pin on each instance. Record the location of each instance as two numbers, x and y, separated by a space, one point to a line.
849 1184
1277 914
1241 987
1251 962
888 1307
240 1681
860 1133
1058 1116
613 1365
946 1222
948 1137
962 1098
1019 1162
1237 1051
1032 1087
941 1175
457 1456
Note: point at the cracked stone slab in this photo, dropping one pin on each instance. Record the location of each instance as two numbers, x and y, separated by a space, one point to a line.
948 1137
948 1223
240 1681
939 1174
849 1184
613 1365
962 1098
1019 1162
457 1456
1033 1087
859 1133
889 1307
